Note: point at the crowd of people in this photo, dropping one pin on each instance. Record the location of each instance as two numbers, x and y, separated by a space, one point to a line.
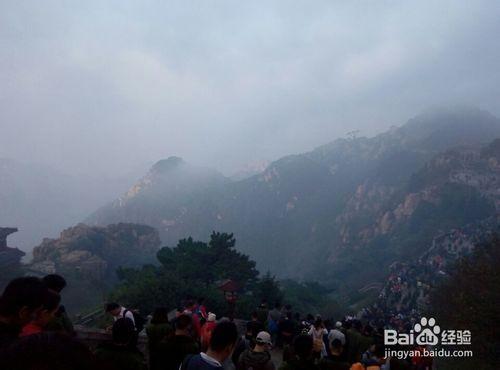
36 334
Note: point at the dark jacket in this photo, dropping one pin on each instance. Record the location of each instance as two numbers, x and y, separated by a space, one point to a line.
8 334
61 322
333 363
157 334
112 357
251 360
172 351
296 363
196 362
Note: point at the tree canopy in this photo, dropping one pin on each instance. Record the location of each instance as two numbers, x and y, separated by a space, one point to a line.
469 300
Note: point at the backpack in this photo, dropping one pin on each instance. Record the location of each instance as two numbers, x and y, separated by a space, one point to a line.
138 320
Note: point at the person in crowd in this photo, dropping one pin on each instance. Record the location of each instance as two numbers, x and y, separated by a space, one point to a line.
43 316
353 340
48 351
317 331
373 359
305 325
206 331
263 312
287 329
177 347
119 312
367 338
221 346
247 341
190 310
121 353
158 330
336 333
201 309
257 358
334 360
286 310
61 322
254 326
302 355
273 319
20 302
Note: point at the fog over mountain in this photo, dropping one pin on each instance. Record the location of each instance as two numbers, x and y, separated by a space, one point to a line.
102 87
93 94
342 203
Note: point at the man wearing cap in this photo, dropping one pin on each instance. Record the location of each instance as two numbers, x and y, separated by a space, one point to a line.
259 357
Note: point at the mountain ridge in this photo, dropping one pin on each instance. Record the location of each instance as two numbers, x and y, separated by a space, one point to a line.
297 216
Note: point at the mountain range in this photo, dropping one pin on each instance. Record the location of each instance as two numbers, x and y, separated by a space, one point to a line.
342 212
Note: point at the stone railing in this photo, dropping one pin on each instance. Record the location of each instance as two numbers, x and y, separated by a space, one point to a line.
93 337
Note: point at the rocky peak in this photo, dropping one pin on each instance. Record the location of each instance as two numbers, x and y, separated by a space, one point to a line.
166 165
9 257
4 232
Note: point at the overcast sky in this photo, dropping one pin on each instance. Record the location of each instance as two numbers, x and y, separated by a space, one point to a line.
106 86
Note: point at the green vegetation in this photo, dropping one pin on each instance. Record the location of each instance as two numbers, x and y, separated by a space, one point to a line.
193 269
468 300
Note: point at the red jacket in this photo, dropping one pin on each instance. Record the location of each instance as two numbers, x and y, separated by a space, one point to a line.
31 328
206 333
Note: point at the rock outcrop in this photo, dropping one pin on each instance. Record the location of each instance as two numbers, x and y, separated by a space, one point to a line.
96 252
10 258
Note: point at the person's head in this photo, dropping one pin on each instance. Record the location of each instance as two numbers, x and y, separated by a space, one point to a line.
368 330
255 316
338 325
336 346
211 317
318 323
22 299
160 316
263 341
303 346
183 323
49 308
223 339
327 324
55 282
347 324
47 351
190 304
113 309
123 331
378 352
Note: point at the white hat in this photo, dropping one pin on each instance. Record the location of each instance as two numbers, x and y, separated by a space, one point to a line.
264 338
211 316
338 324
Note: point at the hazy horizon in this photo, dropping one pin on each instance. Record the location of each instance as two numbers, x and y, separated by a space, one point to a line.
113 87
